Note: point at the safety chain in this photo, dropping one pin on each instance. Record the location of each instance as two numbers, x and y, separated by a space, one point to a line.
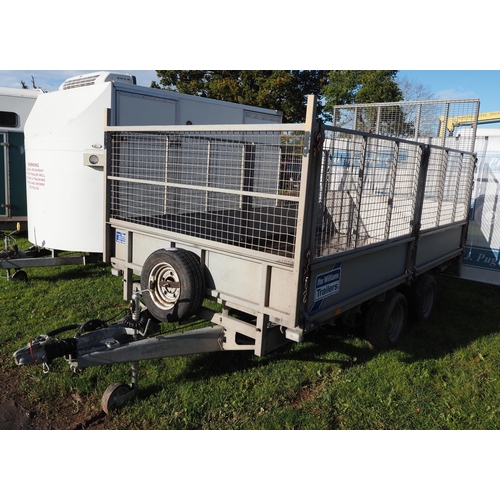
305 274
317 144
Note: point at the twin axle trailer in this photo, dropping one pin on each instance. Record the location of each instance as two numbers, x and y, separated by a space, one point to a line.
287 227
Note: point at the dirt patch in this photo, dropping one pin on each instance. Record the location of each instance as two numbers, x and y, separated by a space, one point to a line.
18 413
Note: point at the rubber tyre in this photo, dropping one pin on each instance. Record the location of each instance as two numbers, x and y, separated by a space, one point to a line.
109 402
180 268
385 321
20 275
422 298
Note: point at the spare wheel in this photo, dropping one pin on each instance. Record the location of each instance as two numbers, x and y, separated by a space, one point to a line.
175 283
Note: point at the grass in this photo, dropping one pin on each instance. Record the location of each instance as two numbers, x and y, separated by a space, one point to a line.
445 374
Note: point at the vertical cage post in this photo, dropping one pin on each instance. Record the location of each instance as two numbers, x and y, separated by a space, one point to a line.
359 188
392 187
419 204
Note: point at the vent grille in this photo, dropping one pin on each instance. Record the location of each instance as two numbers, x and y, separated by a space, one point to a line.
80 82
93 78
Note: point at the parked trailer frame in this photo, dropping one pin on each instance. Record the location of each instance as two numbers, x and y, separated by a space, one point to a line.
257 219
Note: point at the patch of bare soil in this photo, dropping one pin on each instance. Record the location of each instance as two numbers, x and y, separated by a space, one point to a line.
18 413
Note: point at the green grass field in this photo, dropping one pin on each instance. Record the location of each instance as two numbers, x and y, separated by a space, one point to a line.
445 374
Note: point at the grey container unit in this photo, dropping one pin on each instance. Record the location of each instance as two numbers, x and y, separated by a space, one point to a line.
287 227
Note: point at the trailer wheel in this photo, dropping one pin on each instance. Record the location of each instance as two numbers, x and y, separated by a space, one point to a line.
422 298
175 282
20 275
386 321
111 397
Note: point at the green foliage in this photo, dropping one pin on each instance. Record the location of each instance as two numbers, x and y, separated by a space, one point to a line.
282 90
358 86
285 90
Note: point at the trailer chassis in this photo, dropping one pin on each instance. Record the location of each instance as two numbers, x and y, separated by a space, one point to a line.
136 337
14 261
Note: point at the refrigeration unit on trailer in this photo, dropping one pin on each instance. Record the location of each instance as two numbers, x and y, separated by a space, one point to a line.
15 106
282 227
65 149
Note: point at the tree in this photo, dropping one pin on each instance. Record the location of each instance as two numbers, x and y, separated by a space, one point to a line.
286 90
360 86
414 91
282 90
24 86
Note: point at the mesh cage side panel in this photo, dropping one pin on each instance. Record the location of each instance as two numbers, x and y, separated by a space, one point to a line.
238 188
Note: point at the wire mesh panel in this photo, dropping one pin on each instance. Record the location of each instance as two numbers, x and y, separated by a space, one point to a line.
370 186
448 187
415 120
239 188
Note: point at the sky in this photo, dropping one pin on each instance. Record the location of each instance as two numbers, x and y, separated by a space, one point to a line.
444 84
50 80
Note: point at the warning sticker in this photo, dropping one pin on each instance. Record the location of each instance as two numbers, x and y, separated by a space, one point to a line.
121 237
35 176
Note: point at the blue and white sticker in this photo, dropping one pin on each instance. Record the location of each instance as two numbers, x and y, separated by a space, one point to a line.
327 284
121 237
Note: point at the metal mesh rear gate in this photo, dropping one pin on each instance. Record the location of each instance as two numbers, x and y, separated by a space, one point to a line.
443 123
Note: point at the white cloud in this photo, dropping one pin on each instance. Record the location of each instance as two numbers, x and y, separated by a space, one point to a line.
449 94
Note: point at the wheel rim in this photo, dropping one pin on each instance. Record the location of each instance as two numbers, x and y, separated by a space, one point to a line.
396 323
163 294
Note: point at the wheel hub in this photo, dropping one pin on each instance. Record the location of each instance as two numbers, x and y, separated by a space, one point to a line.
165 286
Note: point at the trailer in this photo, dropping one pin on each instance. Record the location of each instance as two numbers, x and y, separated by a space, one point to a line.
15 106
285 227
